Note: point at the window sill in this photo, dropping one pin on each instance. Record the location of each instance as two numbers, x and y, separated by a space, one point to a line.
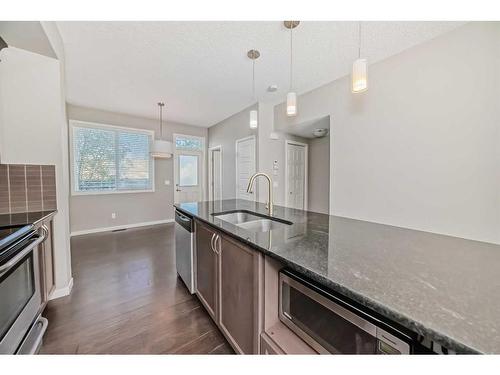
83 193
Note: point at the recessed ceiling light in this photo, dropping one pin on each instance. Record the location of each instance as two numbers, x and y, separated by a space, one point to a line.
272 88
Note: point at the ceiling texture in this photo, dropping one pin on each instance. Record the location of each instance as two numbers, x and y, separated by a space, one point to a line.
201 70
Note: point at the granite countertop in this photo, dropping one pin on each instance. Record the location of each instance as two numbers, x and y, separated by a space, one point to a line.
24 218
444 288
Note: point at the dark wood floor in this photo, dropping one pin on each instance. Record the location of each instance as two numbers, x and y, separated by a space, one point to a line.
127 299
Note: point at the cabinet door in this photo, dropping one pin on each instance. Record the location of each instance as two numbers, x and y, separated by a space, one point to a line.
48 248
206 269
240 284
267 346
47 263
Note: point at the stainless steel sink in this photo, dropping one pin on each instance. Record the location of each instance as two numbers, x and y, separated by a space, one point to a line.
262 225
252 222
237 217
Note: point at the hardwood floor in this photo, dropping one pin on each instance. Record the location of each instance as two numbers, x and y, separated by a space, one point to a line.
127 299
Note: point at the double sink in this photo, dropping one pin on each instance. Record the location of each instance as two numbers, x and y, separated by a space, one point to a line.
252 221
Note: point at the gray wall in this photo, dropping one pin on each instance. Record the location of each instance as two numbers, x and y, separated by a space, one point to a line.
319 175
225 134
421 148
89 212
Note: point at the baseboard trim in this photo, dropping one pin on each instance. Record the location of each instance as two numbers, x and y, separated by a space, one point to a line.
62 292
125 226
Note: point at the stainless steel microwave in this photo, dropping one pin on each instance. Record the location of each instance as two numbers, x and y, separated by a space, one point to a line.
327 324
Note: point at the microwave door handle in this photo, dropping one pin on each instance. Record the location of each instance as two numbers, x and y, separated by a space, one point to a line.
11 263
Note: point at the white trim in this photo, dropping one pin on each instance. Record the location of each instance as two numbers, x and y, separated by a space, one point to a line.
62 292
96 125
254 161
117 227
306 170
210 170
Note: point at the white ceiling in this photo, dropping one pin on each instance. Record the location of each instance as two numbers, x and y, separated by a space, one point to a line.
200 69
306 129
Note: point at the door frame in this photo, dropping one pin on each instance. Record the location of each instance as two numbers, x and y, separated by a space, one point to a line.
210 170
306 170
254 160
201 165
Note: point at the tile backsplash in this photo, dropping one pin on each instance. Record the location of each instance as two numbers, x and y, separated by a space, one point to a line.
27 188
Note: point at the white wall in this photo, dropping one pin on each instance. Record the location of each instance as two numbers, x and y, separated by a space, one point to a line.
421 148
225 134
91 212
318 175
32 128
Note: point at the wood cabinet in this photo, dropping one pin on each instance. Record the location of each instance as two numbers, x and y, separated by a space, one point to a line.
46 256
267 345
240 294
206 268
229 283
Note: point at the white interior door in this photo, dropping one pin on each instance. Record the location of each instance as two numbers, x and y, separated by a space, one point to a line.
245 166
188 176
215 183
296 175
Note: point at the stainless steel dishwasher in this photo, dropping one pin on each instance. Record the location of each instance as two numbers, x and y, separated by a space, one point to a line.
184 248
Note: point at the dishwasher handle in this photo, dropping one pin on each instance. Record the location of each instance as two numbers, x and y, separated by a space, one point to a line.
184 221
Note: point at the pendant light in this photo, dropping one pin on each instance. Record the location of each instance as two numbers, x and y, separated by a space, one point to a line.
291 97
359 71
161 149
253 55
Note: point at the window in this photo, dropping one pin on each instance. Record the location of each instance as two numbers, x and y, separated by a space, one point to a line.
188 143
110 159
188 170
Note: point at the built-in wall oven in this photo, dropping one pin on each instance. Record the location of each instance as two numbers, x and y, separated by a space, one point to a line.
20 296
330 324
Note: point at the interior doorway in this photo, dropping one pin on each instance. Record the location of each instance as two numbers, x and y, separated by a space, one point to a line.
245 166
296 174
215 173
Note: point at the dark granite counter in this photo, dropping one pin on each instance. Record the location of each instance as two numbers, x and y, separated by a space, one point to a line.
444 288
24 218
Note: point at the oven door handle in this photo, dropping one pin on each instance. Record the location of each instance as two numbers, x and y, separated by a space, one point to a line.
11 263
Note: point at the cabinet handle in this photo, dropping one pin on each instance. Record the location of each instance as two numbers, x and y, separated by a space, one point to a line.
212 243
217 249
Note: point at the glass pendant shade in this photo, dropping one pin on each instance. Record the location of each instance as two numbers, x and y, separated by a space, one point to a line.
162 149
291 104
359 76
254 122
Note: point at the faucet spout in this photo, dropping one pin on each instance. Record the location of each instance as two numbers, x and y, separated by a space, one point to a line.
269 205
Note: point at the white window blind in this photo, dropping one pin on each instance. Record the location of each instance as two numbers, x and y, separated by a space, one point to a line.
111 159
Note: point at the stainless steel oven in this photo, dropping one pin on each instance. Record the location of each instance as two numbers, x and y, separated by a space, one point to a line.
20 296
333 325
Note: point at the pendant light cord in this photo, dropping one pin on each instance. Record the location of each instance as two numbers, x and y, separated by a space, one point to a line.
291 58
253 79
359 39
161 120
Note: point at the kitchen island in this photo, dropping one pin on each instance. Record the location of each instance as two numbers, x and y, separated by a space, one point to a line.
440 287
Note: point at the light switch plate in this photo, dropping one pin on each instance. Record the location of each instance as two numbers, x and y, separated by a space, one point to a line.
167 182
275 184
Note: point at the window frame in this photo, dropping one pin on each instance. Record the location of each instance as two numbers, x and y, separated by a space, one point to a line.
96 125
